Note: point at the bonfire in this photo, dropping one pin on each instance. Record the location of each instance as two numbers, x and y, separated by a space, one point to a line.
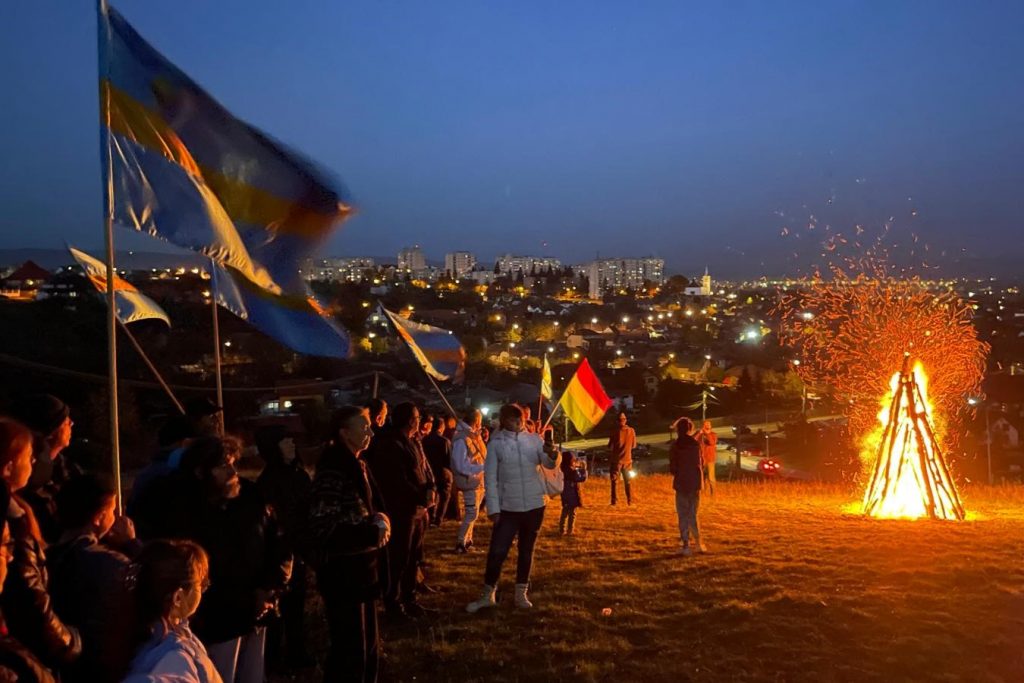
910 478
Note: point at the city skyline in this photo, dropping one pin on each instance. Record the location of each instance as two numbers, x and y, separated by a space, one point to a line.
741 137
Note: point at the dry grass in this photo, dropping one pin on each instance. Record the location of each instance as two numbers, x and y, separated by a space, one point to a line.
797 587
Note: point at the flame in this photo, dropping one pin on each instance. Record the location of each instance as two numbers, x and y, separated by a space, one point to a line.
910 478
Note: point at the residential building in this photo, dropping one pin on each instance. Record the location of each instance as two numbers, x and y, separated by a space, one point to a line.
459 263
513 265
618 273
341 269
412 260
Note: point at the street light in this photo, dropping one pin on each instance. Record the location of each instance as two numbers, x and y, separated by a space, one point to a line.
593 321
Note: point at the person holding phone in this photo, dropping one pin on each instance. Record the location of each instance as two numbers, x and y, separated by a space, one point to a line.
515 495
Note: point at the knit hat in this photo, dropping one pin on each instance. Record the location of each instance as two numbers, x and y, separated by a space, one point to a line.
42 413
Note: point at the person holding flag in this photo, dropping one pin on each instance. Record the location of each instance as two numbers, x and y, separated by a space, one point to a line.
515 498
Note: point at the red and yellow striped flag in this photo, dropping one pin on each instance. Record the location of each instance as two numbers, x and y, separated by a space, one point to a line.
584 400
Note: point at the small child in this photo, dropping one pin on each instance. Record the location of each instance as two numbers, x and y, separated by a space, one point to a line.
574 471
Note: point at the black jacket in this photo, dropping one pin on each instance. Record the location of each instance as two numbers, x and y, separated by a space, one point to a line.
685 464
17 663
26 599
88 583
247 553
400 470
439 453
286 487
341 536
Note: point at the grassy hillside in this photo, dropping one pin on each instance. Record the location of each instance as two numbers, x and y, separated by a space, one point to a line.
797 586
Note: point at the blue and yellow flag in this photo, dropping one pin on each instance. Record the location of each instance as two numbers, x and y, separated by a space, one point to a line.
437 350
131 304
298 322
180 167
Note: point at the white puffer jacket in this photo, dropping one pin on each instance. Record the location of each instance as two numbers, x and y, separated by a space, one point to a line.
512 476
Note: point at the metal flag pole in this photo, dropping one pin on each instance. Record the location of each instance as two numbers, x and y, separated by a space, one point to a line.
441 394
152 368
103 42
216 348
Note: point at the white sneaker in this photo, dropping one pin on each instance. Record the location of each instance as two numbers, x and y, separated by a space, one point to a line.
521 599
486 599
685 551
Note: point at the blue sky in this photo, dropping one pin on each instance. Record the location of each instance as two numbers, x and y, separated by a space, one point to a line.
699 132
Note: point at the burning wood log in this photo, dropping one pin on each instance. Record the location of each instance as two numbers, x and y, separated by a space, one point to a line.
910 478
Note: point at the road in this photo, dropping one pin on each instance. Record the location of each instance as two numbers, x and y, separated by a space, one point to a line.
724 457
664 437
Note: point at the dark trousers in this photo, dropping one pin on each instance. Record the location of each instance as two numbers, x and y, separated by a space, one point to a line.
444 480
405 551
568 519
613 475
354 654
290 628
525 525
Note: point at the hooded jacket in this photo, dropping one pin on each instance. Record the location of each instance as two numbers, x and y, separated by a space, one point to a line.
512 475
468 454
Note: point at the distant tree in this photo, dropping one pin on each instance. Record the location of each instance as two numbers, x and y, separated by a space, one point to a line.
497 267
675 285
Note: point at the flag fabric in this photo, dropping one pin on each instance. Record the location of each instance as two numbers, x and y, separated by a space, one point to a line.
131 304
182 168
299 322
545 379
437 350
584 400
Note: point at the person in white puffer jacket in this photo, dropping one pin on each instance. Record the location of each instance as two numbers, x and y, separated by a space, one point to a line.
515 495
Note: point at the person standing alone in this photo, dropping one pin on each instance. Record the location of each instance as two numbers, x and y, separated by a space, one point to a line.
708 441
620 458
684 462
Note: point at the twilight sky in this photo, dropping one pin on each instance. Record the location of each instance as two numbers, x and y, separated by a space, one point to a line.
699 132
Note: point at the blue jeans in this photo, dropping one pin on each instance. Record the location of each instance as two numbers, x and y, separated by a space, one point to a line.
687 505
525 525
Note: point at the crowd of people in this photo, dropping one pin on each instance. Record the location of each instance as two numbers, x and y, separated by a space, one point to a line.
205 576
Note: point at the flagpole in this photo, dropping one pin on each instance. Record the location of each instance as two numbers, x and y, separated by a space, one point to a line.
216 363
216 354
540 398
376 381
551 417
103 57
439 393
152 368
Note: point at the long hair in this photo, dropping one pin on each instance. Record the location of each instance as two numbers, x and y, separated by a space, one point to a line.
14 436
160 570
